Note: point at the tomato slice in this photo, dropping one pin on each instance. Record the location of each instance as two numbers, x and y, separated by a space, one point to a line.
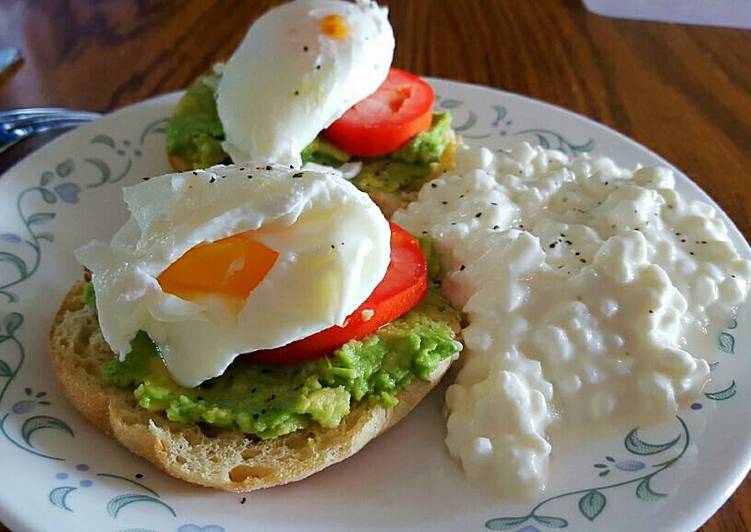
403 286
383 122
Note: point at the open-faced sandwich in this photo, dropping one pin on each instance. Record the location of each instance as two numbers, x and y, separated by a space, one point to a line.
251 324
312 82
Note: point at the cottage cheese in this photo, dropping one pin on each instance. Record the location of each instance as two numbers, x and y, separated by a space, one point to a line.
591 291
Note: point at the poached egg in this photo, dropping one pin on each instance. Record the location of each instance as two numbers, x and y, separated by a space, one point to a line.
299 68
234 259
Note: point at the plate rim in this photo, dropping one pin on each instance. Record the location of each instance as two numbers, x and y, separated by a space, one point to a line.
691 519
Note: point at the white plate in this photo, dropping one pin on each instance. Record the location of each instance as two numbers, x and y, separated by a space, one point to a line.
57 473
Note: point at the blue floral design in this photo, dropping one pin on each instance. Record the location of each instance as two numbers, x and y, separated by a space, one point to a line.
628 465
196 528
26 406
10 237
68 192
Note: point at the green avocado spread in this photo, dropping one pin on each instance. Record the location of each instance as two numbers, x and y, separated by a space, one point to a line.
195 133
269 401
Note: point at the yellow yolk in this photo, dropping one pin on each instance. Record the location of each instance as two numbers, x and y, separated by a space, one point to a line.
334 26
231 267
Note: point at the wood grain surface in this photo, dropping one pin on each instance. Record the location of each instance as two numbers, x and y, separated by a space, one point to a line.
683 91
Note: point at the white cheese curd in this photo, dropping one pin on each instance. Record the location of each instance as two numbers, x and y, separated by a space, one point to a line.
592 293
333 247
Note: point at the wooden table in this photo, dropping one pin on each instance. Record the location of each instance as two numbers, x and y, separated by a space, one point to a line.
683 91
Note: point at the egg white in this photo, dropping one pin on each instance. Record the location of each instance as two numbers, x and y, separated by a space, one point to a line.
287 81
333 245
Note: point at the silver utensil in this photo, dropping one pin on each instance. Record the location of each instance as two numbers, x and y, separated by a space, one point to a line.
17 125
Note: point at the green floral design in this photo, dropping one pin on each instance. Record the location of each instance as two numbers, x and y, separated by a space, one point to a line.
58 496
726 344
591 502
49 191
20 259
500 125
54 189
726 340
551 140
125 151
11 362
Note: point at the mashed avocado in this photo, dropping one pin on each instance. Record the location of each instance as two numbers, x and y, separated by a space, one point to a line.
270 401
195 133
321 151
388 175
428 146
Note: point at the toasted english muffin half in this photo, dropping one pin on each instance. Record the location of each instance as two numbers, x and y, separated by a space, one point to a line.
223 459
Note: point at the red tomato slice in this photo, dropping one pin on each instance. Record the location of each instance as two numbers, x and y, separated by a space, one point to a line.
383 122
402 287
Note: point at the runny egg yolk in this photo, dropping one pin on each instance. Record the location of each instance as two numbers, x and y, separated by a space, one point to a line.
334 26
231 267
